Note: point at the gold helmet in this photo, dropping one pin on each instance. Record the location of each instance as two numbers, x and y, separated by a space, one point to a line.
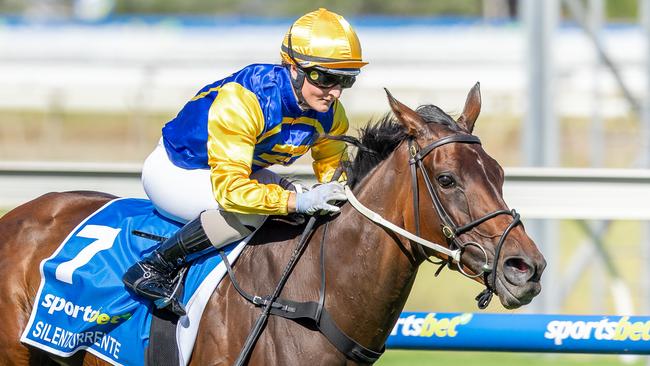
324 40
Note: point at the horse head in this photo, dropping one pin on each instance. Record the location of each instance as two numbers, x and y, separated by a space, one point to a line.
457 199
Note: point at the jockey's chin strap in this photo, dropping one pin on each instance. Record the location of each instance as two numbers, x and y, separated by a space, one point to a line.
299 80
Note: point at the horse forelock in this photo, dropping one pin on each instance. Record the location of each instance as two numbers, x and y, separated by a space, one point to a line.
432 114
381 137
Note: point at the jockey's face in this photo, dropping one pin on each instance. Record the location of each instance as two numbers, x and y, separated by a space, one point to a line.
318 99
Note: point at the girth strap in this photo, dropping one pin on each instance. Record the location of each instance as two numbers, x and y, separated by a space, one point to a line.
309 310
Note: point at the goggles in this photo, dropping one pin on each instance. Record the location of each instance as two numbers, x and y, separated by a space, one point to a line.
325 80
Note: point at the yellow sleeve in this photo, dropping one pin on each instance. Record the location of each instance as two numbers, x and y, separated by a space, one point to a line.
328 153
235 120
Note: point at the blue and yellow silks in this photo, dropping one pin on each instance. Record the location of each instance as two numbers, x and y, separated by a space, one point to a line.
248 121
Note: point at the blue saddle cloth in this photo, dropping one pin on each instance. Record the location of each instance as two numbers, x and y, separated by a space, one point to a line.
82 303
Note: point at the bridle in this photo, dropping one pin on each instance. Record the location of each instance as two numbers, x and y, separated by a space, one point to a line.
450 230
455 247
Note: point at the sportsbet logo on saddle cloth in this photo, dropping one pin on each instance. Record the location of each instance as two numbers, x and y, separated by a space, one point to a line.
82 303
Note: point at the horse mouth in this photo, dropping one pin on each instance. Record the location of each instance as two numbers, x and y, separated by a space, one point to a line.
513 296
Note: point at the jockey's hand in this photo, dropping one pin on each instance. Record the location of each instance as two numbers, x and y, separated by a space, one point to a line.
319 199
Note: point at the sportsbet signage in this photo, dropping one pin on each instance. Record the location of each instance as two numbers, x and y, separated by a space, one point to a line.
522 332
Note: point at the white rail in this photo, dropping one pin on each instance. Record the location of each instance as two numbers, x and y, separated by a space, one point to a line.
537 193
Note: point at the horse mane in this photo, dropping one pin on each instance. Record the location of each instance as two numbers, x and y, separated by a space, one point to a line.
380 138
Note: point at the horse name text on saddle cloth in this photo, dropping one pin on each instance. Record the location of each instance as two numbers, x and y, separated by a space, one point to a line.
82 303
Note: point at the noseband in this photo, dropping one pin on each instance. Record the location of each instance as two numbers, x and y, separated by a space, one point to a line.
450 230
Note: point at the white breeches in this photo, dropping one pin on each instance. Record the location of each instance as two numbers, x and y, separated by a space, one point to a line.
182 194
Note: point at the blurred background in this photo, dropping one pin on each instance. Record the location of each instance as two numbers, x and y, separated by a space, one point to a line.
564 85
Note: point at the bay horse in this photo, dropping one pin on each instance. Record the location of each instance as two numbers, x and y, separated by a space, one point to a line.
369 269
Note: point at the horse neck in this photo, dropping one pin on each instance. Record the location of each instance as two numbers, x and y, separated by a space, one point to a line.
375 270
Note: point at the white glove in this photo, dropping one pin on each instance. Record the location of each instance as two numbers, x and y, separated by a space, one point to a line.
319 198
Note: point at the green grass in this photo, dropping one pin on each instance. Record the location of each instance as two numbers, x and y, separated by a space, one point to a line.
447 358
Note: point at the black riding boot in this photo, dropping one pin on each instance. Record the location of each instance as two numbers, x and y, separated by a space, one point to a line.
153 277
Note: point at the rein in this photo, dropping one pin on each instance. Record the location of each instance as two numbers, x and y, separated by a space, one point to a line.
378 219
450 230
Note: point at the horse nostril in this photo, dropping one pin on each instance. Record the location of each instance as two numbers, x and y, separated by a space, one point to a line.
518 264
517 270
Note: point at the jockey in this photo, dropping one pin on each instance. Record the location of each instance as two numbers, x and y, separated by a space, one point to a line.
209 169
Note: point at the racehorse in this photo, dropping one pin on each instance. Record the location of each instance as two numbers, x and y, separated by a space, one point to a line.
369 269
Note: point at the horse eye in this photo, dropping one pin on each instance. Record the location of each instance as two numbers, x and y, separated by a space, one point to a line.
446 181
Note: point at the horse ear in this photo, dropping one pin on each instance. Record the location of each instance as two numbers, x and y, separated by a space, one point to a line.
472 109
408 117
